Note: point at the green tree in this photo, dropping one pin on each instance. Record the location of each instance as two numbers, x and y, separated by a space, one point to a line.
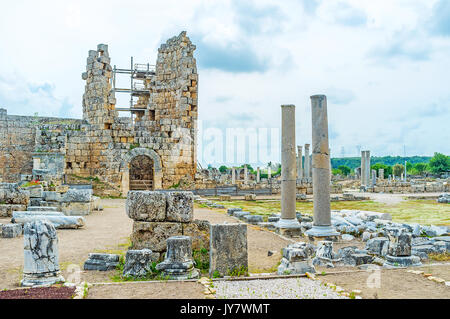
387 169
345 170
223 169
419 168
439 163
409 166
398 169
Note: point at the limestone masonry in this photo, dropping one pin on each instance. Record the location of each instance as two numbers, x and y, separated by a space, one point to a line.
160 138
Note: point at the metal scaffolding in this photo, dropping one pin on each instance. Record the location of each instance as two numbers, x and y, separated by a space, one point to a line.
138 74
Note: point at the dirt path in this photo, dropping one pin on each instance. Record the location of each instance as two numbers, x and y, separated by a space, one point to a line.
392 199
103 230
393 284
154 290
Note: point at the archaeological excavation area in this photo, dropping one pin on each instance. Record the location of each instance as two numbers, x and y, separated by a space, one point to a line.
110 207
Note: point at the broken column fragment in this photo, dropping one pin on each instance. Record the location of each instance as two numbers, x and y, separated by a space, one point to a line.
41 265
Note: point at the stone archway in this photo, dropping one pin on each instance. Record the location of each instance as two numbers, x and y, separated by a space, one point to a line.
134 160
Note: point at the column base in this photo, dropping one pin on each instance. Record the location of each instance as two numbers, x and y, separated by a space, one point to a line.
288 227
41 280
322 231
402 261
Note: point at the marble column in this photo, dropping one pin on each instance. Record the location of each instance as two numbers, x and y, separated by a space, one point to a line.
321 170
367 178
306 170
363 168
331 168
233 175
245 174
299 163
258 176
269 173
288 223
381 173
310 168
374 177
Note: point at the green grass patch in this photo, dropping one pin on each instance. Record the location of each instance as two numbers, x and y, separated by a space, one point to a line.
426 212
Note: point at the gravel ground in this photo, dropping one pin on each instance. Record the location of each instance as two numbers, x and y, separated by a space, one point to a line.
290 288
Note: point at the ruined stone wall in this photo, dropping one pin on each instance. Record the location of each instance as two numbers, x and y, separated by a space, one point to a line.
20 136
101 145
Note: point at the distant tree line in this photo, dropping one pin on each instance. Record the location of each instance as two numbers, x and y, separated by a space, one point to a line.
392 165
415 165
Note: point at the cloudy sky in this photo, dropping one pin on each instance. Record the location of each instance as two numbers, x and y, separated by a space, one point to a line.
384 65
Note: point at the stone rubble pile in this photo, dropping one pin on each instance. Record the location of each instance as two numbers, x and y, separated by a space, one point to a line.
101 262
207 202
444 198
12 198
297 259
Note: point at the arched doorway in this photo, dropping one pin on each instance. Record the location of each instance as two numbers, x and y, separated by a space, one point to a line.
141 173
125 167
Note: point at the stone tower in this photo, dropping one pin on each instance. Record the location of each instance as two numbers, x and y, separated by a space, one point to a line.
98 99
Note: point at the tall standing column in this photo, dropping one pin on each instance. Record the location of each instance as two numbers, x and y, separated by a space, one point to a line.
288 223
269 173
245 174
363 168
307 162
299 163
331 168
258 176
233 175
367 178
321 170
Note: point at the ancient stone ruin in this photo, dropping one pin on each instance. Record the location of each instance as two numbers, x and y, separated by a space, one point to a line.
41 265
160 137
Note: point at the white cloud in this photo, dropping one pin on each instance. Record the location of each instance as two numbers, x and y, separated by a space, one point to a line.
377 61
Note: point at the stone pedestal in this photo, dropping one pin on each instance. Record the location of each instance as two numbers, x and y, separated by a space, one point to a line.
321 170
288 223
228 249
178 263
296 259
399 249
41 265
138 262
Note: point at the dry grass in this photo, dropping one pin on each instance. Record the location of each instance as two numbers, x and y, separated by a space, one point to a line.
439 257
